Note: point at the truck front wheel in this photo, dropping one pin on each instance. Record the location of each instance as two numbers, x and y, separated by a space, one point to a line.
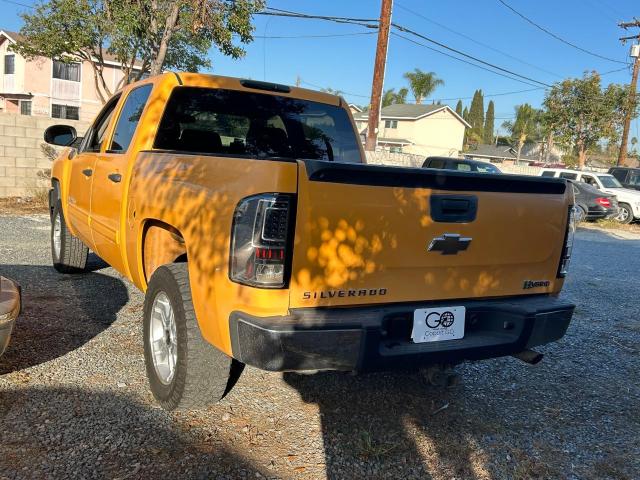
68 253
625 214
184 370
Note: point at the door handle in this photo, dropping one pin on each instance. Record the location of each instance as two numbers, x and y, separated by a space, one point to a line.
87 172
115 177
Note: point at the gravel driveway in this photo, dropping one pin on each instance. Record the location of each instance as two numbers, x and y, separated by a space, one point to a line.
74 401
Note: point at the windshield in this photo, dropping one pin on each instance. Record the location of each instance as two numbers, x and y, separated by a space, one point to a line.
256 125
609 181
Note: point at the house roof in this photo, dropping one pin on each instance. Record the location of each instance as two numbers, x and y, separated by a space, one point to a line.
395 141
410 111
501 151
108 58
355 107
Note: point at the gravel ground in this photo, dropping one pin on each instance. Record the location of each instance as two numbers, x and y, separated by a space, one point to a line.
74 402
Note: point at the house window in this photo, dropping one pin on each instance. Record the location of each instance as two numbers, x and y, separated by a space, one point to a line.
390 124
395 149
65 111
25 107
9 64
66 71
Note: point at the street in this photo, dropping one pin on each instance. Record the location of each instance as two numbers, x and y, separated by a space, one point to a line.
74 400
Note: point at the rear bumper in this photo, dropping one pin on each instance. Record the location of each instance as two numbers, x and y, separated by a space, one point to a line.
597 212
378 337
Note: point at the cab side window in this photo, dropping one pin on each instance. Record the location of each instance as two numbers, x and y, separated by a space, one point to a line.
590 180
97 132
129 118
548 173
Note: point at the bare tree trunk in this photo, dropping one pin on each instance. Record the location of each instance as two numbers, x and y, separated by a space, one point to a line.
547 153
582 154
169 28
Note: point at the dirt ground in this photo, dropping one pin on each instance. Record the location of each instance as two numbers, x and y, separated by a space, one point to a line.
74 402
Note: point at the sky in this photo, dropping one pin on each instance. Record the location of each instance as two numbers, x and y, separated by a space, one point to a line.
483 28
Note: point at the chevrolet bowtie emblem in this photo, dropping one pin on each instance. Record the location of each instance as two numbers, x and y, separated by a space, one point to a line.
449 244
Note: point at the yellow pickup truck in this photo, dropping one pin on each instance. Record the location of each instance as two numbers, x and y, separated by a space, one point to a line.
245 212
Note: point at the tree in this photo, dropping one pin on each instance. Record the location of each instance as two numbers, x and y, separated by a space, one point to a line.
581 113
150 35
390 97
525 127
459 107
422 84
489 121
332 91
476 117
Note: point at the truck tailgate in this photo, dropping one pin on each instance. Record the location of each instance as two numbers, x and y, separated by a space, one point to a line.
363 235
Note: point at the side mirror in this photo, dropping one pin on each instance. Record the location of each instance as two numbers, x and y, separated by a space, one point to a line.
61 135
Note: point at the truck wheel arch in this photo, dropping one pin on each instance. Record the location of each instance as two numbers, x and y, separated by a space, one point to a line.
161 244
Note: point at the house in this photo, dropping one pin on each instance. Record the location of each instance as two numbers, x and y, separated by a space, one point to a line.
504 154
48 87
426 130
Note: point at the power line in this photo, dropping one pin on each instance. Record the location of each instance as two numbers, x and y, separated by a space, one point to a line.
513 57
526 80
17 3
363 22
352 34
557 37
340 91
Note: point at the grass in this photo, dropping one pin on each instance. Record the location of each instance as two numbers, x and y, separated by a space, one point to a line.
369 448
610 224
25 205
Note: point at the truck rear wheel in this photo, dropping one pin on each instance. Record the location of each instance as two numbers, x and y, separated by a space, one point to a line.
68 253
184 370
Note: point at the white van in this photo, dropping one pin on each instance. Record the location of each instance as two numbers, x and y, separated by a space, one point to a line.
628 200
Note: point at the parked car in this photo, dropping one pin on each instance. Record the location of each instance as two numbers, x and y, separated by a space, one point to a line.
460 164
9 310
628 177
591 203
628 200
245 212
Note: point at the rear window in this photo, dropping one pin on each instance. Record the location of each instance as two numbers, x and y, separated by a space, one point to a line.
255 125
548 173
569 176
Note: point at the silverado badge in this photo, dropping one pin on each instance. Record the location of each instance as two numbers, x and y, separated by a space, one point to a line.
449 244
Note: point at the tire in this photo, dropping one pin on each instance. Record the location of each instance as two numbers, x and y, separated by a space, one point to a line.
626 213
581 214
201 374
68 253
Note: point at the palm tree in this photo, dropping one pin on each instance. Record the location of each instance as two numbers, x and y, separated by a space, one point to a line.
390 97
525 127
422 84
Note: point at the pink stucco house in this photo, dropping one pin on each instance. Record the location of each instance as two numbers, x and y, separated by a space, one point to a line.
48 87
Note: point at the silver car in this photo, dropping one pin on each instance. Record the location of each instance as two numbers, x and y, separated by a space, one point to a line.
9 310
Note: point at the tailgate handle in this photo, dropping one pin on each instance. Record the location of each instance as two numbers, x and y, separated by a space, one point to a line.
454 208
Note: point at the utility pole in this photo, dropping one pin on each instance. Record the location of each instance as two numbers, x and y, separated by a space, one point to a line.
378 75
622 156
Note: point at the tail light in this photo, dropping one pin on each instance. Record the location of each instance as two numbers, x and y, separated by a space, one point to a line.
605 202
568 243
260 240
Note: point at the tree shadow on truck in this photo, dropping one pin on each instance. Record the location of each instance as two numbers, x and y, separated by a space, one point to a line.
60 313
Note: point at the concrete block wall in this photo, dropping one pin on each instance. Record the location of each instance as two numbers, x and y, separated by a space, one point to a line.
23 165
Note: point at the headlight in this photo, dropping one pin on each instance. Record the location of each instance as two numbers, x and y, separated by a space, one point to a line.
567 249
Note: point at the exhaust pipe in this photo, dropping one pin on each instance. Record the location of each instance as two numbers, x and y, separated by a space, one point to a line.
529 356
